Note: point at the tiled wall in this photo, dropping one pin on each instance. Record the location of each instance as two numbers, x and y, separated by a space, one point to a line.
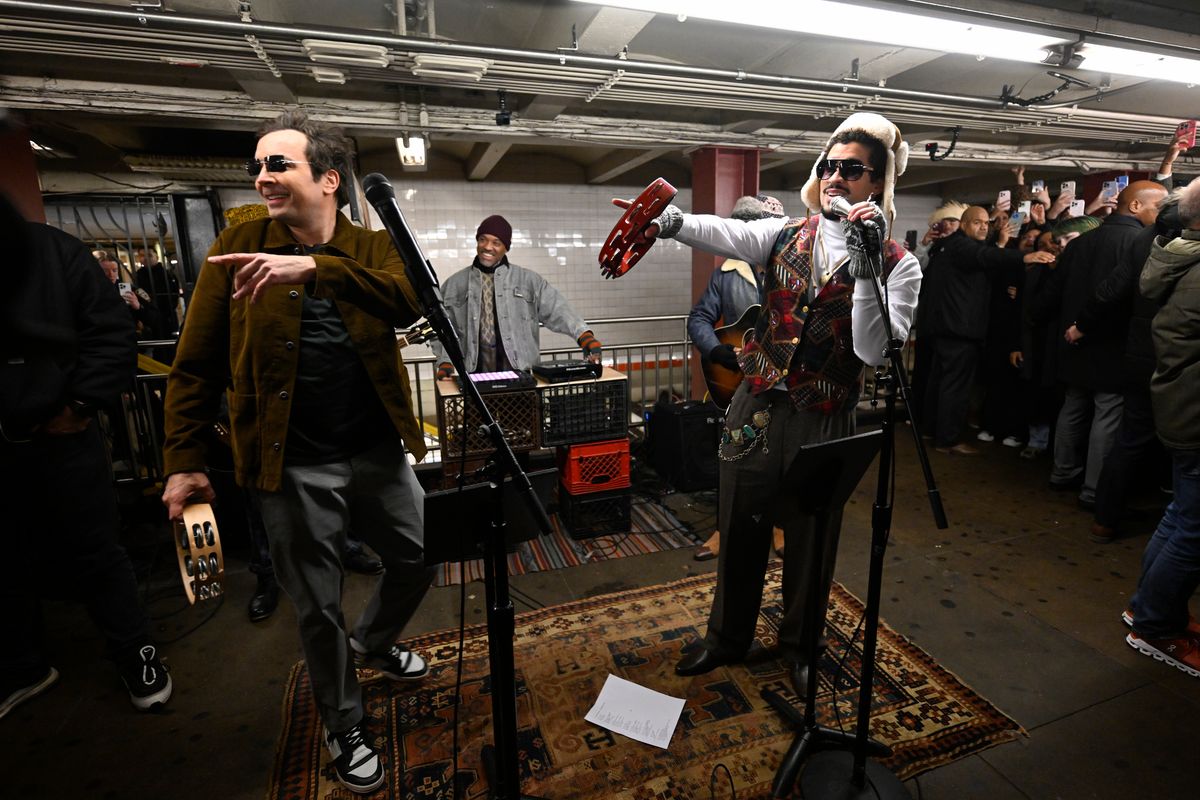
558 231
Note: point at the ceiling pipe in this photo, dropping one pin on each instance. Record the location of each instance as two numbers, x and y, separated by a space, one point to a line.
452 48
190 24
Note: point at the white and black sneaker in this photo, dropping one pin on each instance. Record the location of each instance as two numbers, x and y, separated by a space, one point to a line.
17 692
357 765
397 662
146 678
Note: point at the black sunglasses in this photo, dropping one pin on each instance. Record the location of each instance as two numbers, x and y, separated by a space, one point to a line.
851 168
274 164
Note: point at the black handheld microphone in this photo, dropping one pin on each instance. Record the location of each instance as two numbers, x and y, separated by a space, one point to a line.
382 198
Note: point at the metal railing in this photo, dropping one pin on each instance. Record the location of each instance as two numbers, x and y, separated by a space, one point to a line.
135 432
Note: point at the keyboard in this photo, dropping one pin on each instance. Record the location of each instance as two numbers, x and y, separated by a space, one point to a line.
500 381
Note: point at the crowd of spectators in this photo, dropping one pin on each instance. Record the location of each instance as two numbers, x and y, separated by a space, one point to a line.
1031 333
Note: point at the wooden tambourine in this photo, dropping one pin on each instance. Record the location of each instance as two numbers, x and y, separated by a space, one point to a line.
621 249
198 546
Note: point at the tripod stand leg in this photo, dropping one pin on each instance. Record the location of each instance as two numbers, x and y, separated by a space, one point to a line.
488 759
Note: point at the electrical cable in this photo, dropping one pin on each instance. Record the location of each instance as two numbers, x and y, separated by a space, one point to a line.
712 782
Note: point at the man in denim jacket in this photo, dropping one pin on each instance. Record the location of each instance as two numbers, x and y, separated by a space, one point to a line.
497 306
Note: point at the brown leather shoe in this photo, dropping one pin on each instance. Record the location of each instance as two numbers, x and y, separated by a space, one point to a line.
1102 534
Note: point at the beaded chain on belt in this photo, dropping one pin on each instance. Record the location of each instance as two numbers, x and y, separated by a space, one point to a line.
751 435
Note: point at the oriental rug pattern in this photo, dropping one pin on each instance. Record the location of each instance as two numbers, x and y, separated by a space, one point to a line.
563 655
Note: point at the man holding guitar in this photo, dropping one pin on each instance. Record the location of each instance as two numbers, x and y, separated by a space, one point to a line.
803 365
732 296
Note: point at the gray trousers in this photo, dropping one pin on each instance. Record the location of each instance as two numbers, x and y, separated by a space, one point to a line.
1085 432
377 493
753 498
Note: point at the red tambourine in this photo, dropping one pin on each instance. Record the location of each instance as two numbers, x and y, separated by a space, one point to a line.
620 252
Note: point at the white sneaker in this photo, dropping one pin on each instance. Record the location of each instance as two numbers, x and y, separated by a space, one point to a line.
1012 441
357 765
984 436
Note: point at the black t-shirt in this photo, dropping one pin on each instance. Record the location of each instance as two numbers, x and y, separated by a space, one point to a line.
336 412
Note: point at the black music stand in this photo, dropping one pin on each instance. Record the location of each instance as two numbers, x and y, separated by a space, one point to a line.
457 520
823 477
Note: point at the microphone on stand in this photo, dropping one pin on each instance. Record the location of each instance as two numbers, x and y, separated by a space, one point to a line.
382 198
864 240
841 206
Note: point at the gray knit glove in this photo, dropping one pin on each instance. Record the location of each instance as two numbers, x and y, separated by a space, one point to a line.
669 222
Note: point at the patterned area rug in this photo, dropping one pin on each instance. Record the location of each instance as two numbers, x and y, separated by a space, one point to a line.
564 654
651 529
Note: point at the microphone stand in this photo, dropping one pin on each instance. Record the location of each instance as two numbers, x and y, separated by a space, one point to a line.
852 776
501 763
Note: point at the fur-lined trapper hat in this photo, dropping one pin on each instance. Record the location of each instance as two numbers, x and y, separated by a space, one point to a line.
897 159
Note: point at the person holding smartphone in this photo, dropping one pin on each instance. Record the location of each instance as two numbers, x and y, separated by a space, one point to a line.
954 318
1088 365
145 316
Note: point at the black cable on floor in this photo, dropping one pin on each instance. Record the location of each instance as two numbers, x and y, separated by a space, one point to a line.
712 782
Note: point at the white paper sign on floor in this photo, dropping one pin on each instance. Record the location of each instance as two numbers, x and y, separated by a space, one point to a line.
637 712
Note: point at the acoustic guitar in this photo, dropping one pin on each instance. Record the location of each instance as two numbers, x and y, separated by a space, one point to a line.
722 382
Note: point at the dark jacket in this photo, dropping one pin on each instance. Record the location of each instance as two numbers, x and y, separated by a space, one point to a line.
1117 297
728 294
67 332
957 286
251 349
1172 279
1095 362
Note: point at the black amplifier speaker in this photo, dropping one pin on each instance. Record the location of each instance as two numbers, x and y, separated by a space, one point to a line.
683 442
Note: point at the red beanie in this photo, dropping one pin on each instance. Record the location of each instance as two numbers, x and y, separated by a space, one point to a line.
497 226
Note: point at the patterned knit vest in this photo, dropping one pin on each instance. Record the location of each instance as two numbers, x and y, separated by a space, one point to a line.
807 345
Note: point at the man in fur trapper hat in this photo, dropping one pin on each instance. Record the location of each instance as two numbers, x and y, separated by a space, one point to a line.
803 366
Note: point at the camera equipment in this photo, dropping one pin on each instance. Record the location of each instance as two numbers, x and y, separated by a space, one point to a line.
503 116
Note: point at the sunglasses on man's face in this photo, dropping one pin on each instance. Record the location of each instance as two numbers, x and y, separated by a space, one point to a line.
274 164
851 168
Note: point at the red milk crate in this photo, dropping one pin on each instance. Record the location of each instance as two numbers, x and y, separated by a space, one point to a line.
594 467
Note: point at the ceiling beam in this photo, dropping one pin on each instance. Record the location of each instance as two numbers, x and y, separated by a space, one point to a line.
483 159
620 162
261 87
607 34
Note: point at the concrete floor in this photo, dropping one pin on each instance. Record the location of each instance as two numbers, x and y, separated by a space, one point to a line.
1012 598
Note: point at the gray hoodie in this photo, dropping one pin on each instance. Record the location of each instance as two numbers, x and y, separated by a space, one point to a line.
1172 279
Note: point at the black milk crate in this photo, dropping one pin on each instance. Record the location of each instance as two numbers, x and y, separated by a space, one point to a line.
517 413
596 514
584 411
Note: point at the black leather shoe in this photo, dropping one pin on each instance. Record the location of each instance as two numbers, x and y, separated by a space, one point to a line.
799 675
265 600
358 561
703 660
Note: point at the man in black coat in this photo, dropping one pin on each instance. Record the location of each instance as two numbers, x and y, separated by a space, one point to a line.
1089 366
954 315
1115 299
69 348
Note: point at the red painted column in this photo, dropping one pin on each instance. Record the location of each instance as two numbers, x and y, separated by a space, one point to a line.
18 174
720 175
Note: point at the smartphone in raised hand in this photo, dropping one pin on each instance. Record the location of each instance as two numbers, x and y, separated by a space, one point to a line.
1037 186
1109 190
1186 132
1077 208
1067 186
1003 199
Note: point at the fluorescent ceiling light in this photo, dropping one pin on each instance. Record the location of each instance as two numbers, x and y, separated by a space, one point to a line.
412 155
846 21
327 75
352 53
436 65
1139 63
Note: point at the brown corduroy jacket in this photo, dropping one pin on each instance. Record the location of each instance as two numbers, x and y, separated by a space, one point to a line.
251 351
